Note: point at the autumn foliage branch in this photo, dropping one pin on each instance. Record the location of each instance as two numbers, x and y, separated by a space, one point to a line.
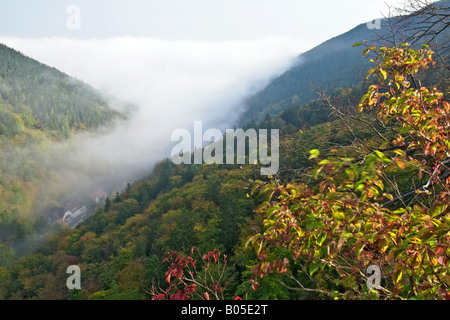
348 221
189 278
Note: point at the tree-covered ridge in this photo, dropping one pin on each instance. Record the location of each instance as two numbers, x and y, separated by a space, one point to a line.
47 99
120 248
335 64
331 65
39 107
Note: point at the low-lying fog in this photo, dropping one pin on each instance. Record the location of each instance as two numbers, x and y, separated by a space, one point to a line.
171 84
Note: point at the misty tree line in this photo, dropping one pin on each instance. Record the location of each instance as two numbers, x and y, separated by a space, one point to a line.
38 106
48 99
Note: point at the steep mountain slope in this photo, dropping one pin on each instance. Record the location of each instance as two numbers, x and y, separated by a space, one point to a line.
119 249
39 106
48 99
331 65
336 64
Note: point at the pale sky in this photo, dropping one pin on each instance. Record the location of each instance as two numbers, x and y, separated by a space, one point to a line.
206 20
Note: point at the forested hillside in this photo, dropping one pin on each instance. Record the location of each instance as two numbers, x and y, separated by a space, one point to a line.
121 246
39 107
46 98
332 65
336 64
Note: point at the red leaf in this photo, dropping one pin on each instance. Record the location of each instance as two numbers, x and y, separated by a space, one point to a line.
444 294
442 258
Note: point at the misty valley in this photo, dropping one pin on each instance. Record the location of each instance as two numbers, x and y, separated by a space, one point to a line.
118 161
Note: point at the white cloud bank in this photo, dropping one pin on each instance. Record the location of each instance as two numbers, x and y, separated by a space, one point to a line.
172 84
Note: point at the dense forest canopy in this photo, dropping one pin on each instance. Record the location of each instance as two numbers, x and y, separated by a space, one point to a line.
39 108
336 64
48 99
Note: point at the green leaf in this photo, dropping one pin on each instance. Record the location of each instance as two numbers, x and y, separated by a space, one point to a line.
314 154
358 249
374 295
268 223
366 51
338 215
383 74
398 276
316 172
400 152
321 238
359 186
379 154
383 244
324 162
347 234
314 267
437 210
378 183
